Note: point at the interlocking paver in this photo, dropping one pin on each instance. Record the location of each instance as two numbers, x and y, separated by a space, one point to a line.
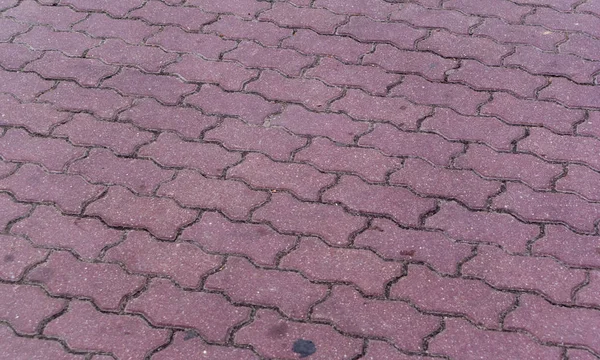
118 52
7 168
47 227
87 72
582 45
183 262
496 8
253 55
24 86
175 39
242 8
375 9
556 20
35 117
287 15
503 32
70 43
591 126
182 347
420 16
58 17
309 42
232 27
165 304
576 354
103 26
580 180
381 350
571 94
158 13
588 295
15 347
115 9
17 255
14 56
10 28
367 30
582 250
11 210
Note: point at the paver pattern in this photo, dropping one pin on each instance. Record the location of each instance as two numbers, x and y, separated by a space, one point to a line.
277 179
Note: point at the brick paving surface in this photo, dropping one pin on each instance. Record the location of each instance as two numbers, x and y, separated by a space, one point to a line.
285 179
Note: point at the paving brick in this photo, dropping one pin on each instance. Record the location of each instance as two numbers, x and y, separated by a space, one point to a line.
117 9
580 180
456 46
576 354
393 242
102 26
429 180
488 130
251 54
482 344
428 65
591 126
85 130
537 62
5 4
503 9
86 329
338 127
87 72
398 203
24 86
589 6
150 114
582 45
164 304
393 142
106 284
484 227
481 77
10 28
242 8
312 43
320 262
509 166
375 9
588 295
286 15
369 78
435 18
458 97
571 94
102 102
7 168
250 108
162 217
309 92
369 164
562 147
232 27
118 52
14 347
175 39
47 227
554 323
183 262
11 210
14 56
557 4
260 172
167 89
555 20
398 34
582 250
24 307
182 348
102 166
537 36
170 150
286 290
531 112
231 197
330 222
381 350
392 320
258 242
229 75
158 13
272 336
17 255
59 18
31 183
70 43
35 117
236 135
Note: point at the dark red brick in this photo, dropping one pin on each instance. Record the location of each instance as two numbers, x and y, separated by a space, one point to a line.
505 33
502 229
170 150
231 197
309 92
37 118
86 329
582 45
330 222
158 13
232 27
164 304
32 184
118 52
458 97
420 16
483 344
393 142
58 17
286 15
555 20
582 250
15 347
272 336
102 26
374 9
86 72
24 86
260 243
554 323
581 180
253 55
395 321
162 217
591 126
242 8
10 28
488 130
571 94
503 9
116 9
184 348
312 43
286 290
70 43
106 284
17 255
250 108
14 56
10 210
367 30
541 274
236 135
175 39
429 180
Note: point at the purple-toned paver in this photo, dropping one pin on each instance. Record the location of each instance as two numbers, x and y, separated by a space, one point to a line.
17 255
15 347
11 210
186 345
